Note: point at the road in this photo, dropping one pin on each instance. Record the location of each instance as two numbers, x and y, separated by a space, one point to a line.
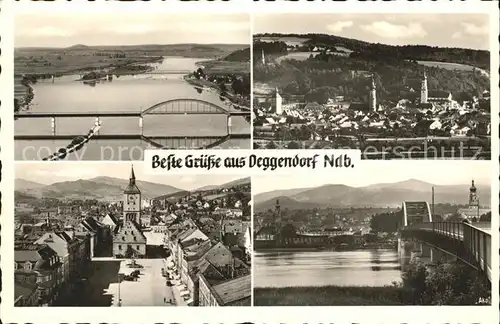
149 290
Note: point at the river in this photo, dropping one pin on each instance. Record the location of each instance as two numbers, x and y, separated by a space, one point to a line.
125 93
377 267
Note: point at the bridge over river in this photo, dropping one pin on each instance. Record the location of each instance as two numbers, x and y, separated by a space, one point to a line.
180 106
467 242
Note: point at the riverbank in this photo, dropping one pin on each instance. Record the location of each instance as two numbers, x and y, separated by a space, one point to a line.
23 95
329 296
240 102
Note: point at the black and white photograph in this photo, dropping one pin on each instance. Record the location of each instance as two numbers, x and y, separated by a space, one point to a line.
408 235
107 86
109 235
395 86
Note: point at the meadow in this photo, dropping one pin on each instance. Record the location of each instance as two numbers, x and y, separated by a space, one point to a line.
328 296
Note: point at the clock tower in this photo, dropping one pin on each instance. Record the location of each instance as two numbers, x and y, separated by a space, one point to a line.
473 202
132 201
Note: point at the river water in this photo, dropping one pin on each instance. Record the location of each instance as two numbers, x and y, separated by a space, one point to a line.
377 267
124 94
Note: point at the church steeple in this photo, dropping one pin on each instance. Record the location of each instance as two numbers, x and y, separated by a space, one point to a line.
132 176
472 187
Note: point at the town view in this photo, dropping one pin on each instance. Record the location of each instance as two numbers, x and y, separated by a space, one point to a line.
405 86
82 240
111 93
379 239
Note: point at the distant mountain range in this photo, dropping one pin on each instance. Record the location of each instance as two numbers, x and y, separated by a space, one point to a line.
376 195
101 188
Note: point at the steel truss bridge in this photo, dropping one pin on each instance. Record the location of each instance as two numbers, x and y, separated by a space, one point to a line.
169 107
470 243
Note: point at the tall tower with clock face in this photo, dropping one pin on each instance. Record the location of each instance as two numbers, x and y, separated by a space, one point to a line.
132 201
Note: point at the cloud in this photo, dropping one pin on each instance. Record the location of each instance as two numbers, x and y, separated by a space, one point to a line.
457 35
394 31
475 30
339 26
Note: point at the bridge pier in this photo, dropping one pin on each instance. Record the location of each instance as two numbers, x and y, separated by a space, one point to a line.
53 125
97 123
229 125
141 125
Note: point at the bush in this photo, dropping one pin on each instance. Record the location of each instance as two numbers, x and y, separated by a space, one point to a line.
444 284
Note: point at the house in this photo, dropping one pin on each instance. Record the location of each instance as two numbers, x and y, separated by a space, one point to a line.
110 221
42 261
64 246
129 241
234 292
26 291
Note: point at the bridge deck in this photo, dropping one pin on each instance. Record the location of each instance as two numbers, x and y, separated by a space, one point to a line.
474 238
125 137
121 114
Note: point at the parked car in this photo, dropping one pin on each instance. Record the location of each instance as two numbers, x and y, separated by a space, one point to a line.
130 278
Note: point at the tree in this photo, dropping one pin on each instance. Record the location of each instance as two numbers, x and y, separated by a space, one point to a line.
445 284
271 145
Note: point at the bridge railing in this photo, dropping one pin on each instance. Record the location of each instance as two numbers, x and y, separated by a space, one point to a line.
477 242
467 241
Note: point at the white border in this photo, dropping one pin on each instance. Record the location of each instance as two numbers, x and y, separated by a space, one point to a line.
403 314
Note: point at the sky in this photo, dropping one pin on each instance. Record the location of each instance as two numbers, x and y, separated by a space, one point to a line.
34 29
48 173
447 30
374 172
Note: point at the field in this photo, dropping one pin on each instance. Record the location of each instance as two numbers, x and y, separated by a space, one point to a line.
447 66
80 57
328 296
226 67
299 56
288 40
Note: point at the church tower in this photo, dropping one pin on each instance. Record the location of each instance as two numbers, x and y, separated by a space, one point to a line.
132 201
473 202
277 217
373 96
424 92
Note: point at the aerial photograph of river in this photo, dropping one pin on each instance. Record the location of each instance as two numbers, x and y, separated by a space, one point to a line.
81 96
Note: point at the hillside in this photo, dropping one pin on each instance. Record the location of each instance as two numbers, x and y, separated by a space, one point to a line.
261 197
230 184
101 188
377 195
322 66
285 203
479 58
242 55
21 184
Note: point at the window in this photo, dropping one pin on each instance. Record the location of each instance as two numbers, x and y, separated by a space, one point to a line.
135 239
119 246
125 232
138 247
123 238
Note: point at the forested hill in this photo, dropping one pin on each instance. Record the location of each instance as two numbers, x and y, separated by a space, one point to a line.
323 66
477 58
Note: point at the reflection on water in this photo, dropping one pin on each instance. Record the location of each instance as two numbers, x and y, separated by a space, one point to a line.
131 93
318 268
